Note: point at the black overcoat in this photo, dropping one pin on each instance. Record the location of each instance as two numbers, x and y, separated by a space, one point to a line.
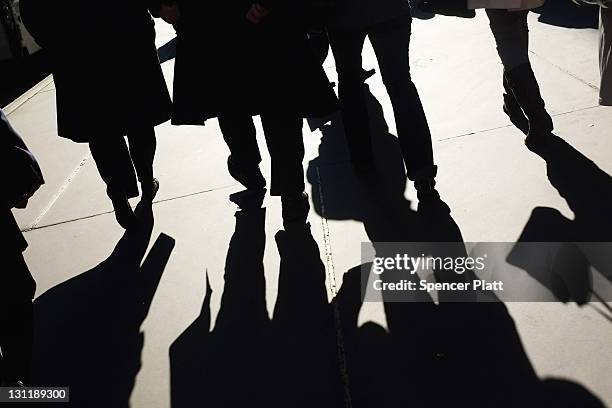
226 64
105 66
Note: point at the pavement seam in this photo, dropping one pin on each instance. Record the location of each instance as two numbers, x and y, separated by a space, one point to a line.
27 95
511 126
57 195
566 71
86 217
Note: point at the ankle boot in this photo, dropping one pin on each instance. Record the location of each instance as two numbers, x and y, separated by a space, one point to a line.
513 109
251 178
525 88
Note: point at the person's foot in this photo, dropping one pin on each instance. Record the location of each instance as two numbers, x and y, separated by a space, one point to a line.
251 178
149 190
295 209
123 212
429 198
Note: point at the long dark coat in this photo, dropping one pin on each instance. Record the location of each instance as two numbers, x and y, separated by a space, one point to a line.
107 74
226 64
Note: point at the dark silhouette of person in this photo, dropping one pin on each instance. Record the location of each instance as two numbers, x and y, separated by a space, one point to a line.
523 101
17 286
109 84
388 25
251 58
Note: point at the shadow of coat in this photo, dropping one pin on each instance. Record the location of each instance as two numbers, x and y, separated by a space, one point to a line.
248 358
87 332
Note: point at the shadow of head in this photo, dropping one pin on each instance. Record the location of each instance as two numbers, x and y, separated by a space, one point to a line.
88 328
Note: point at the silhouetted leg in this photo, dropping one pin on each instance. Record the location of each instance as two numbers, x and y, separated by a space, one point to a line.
347 46
240 136
142 147
511 32
115 166
392 51
285 142
605 56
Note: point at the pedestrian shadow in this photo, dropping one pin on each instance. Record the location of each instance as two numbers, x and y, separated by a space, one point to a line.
248 358
579 243
454 352
568 14
167 51
88 329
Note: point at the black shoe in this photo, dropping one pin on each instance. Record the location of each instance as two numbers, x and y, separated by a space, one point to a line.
295 209
429 198
149 190
123 212
526 90
249 178
513 109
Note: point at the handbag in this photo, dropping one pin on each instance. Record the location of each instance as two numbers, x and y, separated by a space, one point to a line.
453 8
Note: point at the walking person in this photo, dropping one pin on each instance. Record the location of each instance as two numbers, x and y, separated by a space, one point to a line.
605 50
263 64
387 23
17 286
523 101
109 85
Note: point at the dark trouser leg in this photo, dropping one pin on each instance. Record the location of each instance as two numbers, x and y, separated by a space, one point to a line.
115 166
347 47
283 133
392 51
142 151
240 136
511 33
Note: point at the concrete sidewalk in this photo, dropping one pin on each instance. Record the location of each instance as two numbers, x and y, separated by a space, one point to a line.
489 179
